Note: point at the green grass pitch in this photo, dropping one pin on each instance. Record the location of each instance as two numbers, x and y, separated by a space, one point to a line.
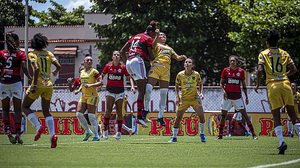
147 151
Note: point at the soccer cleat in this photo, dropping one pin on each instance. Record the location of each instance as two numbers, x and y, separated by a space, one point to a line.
105 135
130 132
282 148
254 137
118 135
203 138
229 135
142 122
11 138
219 137
18 139
87 136
290 134
96 139
54 141
39 133
161 121
173 139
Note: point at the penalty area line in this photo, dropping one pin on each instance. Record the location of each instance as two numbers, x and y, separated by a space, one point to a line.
277 164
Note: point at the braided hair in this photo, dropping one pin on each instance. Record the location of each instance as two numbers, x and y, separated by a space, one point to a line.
12 42
39 42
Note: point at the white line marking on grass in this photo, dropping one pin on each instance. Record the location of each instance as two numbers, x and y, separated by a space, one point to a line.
278 164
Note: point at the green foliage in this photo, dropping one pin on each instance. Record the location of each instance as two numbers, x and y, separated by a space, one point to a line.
58 15
197 29
257 20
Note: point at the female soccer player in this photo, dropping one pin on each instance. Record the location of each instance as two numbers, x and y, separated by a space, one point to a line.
160 73
139 48
188 80
232 78
13 60
90 80
115 91
41 86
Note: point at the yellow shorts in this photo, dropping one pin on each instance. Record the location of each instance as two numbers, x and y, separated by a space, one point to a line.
91 100
185 104
44 92
280 94
160 73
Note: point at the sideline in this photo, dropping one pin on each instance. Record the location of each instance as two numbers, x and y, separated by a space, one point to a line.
277 164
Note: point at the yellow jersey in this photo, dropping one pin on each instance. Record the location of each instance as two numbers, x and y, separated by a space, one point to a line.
89 77
44 59
162 55
296 101
275 62
188 84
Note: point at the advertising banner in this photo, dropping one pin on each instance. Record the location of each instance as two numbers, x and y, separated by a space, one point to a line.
66 123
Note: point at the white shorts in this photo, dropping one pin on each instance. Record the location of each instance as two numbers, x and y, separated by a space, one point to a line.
136 68
228 104
117 96
11 90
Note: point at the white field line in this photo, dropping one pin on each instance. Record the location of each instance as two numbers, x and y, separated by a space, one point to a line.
277 164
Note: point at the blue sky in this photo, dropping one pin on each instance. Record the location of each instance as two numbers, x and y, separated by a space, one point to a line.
68 4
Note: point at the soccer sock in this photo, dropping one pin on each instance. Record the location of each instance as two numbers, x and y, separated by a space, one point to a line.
297 129
162 102
106 123
18 127
126 128
147 96
290 127
221 127
202 125
140 105
250 126
34 121
175 132
50 125
232 125
94 123
83 122
6 123
278 132
120 122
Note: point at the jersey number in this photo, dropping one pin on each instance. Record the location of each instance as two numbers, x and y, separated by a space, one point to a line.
44 64
134 45
276 65
8 62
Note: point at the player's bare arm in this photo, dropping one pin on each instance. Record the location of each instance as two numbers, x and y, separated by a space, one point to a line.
259 73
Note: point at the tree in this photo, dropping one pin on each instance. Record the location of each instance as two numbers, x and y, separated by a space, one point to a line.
195 28
12 13
60 16
256 18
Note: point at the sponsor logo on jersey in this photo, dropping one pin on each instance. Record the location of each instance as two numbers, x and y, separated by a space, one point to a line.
114 77
233 81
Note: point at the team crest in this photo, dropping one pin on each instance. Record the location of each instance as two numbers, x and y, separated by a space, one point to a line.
238 74
119 70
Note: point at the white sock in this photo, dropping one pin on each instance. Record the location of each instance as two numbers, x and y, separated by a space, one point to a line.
297 129
175 132
147 96
34 121
83 122
290 127
278 132
162 102
202 125
94 123
50 125
125 127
